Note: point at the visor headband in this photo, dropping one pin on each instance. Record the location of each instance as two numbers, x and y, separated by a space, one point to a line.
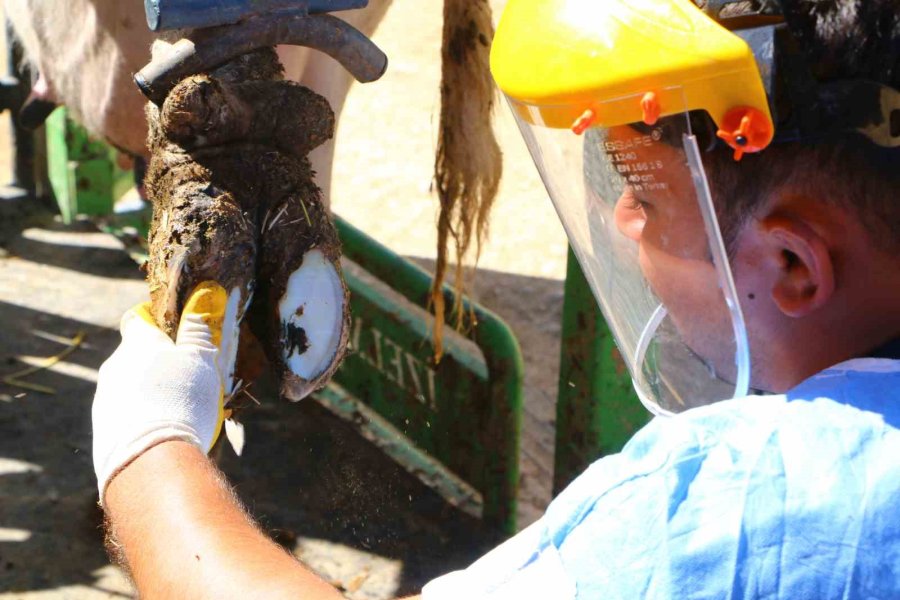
804 108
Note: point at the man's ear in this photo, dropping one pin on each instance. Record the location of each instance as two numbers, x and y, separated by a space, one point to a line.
805 270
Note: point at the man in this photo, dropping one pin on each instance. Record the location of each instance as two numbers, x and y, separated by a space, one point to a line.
732 249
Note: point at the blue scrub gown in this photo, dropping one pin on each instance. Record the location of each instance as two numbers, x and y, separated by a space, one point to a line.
790 496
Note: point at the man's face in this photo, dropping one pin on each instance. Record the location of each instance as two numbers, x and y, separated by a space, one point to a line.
661 214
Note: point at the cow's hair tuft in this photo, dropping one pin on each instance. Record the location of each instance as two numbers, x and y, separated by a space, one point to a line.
468 164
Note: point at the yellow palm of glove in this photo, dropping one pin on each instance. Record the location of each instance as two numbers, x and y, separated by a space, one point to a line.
153 390
208 304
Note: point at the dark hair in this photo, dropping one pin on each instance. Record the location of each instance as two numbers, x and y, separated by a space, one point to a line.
841 40
846 170
848 39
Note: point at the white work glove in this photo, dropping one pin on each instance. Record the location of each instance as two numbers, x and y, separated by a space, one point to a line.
153 390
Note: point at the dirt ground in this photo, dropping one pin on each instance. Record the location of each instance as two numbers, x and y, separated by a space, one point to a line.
349 512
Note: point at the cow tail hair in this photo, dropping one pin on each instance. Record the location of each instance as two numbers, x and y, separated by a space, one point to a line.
468 163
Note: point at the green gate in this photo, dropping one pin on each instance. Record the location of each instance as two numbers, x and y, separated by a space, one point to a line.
455 424
597 409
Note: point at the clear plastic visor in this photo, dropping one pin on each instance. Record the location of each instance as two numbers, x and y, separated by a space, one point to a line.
636 206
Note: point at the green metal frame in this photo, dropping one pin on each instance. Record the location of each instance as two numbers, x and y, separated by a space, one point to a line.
84 175
597 410
79 169
465 412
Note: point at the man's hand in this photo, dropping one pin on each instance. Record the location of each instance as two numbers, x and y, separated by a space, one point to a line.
157 411
153 389
172 516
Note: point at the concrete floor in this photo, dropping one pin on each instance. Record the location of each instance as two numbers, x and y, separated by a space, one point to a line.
351 513
48 524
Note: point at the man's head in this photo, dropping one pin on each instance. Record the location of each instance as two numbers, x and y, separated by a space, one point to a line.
812 228
802 262
812 232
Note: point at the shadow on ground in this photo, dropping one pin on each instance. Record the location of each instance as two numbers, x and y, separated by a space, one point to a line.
48 498
49 523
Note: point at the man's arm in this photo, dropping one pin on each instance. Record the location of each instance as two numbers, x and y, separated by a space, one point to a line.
171 515
184 535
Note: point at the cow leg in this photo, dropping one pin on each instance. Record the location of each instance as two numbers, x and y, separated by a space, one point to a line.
324 76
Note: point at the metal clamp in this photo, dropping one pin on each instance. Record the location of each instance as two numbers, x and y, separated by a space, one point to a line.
740 14
212 46
163 15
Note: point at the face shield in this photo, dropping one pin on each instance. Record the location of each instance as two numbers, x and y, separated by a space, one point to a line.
603 93
634 201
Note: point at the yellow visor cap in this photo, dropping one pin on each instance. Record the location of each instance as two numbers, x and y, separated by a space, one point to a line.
557 59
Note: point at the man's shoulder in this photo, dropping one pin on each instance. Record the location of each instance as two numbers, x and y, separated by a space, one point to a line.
860 393
731 491
793 495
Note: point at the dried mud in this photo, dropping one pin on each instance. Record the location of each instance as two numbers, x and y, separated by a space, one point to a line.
233 195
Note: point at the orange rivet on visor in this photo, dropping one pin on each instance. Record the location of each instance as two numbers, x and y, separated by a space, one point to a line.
650 107
746 129
582 123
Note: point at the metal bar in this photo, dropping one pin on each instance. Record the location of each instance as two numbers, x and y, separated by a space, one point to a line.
395 444
210 48
62 186
164 15
80 169
503 397
10 94
597 410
